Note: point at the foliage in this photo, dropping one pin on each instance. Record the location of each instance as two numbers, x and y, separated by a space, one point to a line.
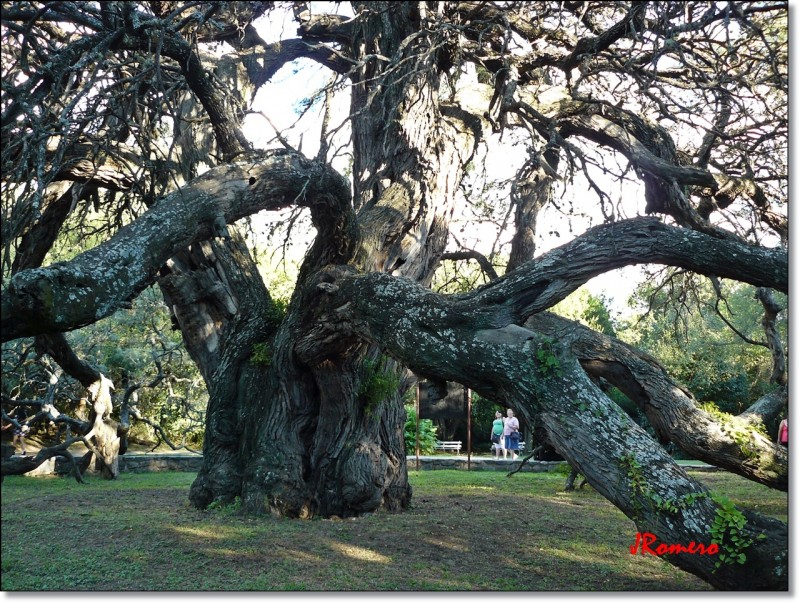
78 91
640 489
427 433
130 347
728 531
226 507
546 361
588 309
262 354
378 382
677 324
637 482
741 432
262 350
125 347
278 276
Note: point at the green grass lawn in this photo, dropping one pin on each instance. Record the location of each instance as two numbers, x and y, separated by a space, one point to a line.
464 531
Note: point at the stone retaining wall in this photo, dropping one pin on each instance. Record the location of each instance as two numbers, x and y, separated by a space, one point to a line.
481 463
142 463
145 462
131 463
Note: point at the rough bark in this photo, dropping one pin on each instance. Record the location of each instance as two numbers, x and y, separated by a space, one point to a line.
93 285
207 289
329 443
38 240
774 343
532 191
539 284
767 408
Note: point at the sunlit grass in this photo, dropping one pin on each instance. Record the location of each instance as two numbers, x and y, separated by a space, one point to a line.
360 553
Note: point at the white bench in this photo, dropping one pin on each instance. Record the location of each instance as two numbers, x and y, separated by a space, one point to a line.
439 445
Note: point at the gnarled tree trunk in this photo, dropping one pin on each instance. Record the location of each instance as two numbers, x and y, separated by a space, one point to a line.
327 439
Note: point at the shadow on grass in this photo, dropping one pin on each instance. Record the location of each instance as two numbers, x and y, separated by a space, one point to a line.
464 531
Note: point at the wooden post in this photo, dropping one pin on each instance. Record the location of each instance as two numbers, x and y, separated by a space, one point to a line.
417 413
468 394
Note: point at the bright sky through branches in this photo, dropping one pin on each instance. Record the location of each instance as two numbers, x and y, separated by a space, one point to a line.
285 100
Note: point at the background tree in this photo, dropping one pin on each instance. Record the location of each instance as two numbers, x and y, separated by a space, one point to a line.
138 108
712 339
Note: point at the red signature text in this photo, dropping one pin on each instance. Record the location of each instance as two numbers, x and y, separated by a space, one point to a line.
644 540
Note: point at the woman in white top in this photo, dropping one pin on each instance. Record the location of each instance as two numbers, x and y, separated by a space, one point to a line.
510 426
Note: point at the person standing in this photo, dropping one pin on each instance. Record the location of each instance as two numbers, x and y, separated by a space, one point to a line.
497 434
783 433
20 415
511 435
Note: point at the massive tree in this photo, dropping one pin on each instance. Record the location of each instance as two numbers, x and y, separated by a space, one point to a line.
126 118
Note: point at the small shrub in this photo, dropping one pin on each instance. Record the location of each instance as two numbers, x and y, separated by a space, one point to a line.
427 433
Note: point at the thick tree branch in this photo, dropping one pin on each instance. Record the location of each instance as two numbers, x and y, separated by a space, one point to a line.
632 23
39 238
774 343
19 465
767 408
671 410
116 168
263 62
326 27
99 281
227 131
56 346
541 283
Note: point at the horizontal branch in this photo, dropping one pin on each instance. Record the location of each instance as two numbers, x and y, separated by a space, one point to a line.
57 347
471 254
19 465
541 283
608 133
264 61
546 280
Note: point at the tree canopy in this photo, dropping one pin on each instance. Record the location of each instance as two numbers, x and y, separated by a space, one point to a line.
123 125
